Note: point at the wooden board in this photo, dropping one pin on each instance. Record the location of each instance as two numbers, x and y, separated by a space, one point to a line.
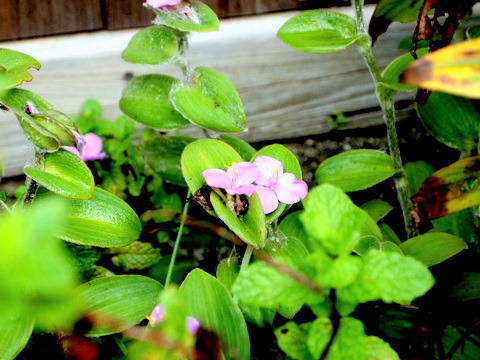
286 93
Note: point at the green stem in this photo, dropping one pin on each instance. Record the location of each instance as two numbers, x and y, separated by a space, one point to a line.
32 185
177 242
385 98
246 257
183 61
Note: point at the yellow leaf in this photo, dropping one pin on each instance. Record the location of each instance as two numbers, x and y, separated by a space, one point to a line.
454 69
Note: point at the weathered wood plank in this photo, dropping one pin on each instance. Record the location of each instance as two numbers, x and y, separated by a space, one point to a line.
286 93
26 18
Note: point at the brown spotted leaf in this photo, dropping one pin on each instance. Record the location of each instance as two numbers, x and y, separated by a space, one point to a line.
450 189
454 69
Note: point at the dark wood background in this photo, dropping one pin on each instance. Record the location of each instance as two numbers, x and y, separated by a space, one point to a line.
26 18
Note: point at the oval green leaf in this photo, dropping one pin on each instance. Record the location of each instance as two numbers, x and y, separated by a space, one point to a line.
202 155
319 31
123 299
14 335
249 227
355 170
153 45
201 19
64 174
145 99
168 167
377 209
210 302
210 101
433 248
13 68
104 220
393 71
451 119
290 165
245 150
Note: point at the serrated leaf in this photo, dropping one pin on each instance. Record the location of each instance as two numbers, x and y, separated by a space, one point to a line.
104 220
262 285
210 100
200 18
154 152
331 220
210 303
355 170
390 277
13 68
153 45
146 99
123 299
452 120
14 334
65 174
452 69
136 256
291 339
433 248
350 341
377 349
319 31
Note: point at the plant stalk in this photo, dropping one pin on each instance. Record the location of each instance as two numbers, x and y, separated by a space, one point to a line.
385 98
32 185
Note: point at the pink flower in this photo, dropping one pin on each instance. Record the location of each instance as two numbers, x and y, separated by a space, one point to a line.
273 185
238 179
160 3
89 147
158 315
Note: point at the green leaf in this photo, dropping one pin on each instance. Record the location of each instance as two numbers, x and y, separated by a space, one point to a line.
210 302
331 220
262 285
319 31
13 68
146 99
390 277
377 349
162 154
153 45
36 276
417 173
123 299
355 170
433 248
389 235
393 71
388 11
14 335
292 227
377 209
227 271
202 155
473 32
210 100
350 341
250 227
136 256
467 287
64 174
242 147
201 18
104 220
290 165
470 348
291 339
452 120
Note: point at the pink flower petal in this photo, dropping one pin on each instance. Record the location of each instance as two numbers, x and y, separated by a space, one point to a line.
269 169
192 325
290 190
268 199
72 149
244 173
160 3
92 148
245 190
157 315
217 178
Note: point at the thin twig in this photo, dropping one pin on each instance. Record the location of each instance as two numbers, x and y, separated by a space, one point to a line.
460 340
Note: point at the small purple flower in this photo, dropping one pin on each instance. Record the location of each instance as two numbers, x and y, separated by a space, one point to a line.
273 185
161 3
89 147
158 315
238 179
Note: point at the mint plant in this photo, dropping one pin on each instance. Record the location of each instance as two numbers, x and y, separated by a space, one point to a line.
173 247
